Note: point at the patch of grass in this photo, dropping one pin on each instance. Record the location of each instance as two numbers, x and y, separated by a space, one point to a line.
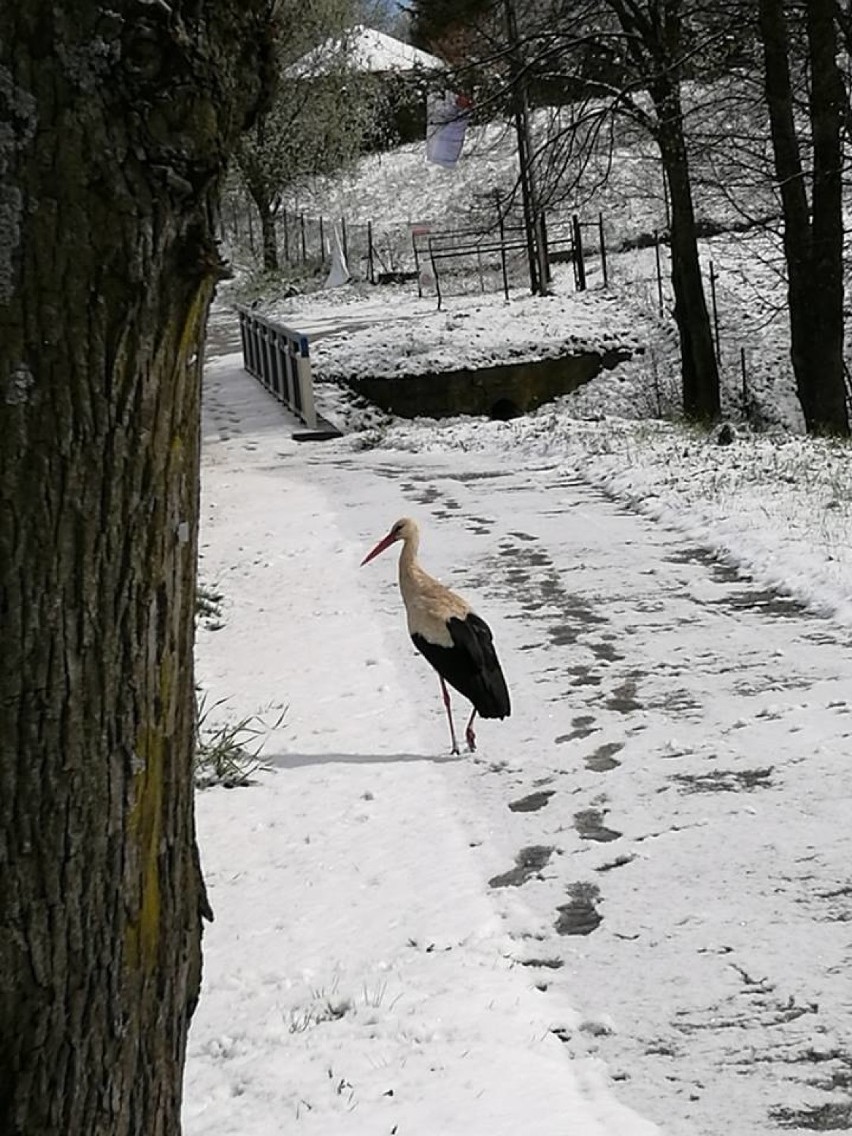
228 753
330 1005
326 1009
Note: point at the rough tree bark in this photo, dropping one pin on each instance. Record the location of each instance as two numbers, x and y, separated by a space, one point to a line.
253 156
813 235
115 121
701 394
270 240
268 231
653 38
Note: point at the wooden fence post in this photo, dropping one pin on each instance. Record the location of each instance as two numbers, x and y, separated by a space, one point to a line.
603 250
715 310
579 263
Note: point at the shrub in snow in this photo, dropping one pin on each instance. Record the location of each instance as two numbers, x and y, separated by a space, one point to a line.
228 754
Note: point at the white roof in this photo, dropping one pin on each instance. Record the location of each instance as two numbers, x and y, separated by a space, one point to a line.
370 50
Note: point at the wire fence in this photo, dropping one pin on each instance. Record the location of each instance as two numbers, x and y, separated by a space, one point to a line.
492 257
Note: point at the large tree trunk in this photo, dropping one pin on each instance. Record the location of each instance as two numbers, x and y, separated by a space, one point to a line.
654 43
701 397
269 235
117 124
824 398
813 238
253 158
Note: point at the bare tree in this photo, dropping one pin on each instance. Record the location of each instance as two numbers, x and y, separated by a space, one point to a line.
319 118
813 231
607 56
657 43
115 123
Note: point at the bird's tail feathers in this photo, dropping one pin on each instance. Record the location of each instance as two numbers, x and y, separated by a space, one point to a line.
492 696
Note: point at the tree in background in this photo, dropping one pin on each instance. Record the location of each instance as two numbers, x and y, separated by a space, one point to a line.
761 121
116 124
813 230
604 55
320 117
657 44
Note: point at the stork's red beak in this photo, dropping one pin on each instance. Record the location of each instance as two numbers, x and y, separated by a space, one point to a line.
384 543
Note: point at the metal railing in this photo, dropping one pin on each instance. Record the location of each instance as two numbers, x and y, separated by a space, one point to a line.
278 358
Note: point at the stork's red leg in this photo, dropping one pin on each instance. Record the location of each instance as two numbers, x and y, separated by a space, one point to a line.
469 734
446 695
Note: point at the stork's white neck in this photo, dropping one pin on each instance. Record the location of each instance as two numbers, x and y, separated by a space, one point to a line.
408 556
410 572
428 604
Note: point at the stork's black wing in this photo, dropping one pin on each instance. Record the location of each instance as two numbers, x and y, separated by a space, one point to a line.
470 665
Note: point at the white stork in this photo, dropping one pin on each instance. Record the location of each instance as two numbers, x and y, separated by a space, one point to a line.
453 638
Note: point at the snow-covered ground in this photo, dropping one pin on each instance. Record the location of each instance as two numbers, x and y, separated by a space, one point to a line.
390 331
630 909
400 334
